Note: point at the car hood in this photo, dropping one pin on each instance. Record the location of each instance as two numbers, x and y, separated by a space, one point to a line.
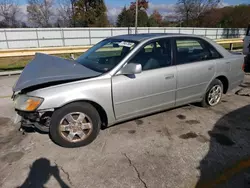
46 69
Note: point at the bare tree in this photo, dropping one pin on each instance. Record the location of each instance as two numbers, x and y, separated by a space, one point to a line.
8 13
66 13
194 9
184 9
40 12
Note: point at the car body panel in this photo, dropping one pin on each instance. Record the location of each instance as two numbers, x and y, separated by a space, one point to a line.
246 45
123 97
97 90
46 68
144 92
231 67
192 81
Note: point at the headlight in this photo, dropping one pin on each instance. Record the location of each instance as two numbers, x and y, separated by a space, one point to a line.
27 103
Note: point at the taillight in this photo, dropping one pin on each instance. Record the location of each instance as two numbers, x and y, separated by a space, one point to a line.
243 67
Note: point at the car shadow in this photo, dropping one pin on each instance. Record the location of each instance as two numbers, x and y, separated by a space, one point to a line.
40 173
192 105
227 163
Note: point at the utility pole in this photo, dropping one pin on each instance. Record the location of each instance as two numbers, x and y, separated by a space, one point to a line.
136 16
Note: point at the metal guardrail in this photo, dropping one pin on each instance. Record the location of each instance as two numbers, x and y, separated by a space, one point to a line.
78 49
231 42
32 51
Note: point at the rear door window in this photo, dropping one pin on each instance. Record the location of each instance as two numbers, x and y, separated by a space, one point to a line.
190 50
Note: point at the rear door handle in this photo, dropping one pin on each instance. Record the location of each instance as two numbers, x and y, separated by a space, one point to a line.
227 62
169 77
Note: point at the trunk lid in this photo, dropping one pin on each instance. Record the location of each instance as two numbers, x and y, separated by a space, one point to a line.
46 69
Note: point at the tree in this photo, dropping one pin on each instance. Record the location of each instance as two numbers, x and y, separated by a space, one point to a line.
91 13
184 9
127 16
194 9
227 17
66 11
142 18
239 17
8 13
142 4
155 20
40 12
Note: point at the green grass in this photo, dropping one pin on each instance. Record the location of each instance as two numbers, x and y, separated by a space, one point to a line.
18 63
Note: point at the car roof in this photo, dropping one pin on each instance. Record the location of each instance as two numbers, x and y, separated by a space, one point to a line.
145 36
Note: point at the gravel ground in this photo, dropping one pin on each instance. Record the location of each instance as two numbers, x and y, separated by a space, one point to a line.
179 148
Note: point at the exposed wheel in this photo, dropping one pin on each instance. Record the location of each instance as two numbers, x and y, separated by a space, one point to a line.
214 94
75 125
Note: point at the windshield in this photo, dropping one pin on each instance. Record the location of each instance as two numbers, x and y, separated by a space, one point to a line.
105 55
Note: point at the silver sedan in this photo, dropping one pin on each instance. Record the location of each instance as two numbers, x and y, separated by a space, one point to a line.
120 78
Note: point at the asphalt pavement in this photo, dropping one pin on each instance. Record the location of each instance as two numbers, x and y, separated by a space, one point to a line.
184 147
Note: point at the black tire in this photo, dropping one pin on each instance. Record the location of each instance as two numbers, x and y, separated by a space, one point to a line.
58 115
247 64
204 102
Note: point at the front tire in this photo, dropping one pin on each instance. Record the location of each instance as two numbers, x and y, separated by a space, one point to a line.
213 94
74 125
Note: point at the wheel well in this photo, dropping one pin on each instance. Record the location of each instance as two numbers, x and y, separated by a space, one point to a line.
100 110
224 81
102 113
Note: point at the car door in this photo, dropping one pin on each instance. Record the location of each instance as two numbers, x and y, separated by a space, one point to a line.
246 48
151 90
195 60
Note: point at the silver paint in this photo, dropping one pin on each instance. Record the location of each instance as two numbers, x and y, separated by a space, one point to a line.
127 96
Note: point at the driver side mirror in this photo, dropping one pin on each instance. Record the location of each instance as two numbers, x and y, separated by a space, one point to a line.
131 68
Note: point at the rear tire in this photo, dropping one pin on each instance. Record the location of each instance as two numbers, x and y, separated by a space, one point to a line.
213 94
74 125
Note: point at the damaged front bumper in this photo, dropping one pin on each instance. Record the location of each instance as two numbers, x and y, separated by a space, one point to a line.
38 120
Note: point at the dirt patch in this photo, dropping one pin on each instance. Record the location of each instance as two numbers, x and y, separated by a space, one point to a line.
14 137
166 132
192 122
12 157
191 135
188 135
4 121
243 92
132 131
181 117
139 122
245 85
202 139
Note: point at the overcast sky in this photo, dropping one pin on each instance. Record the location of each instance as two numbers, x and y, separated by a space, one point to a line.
165 7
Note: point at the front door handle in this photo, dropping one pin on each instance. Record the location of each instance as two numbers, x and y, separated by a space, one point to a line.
169 77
